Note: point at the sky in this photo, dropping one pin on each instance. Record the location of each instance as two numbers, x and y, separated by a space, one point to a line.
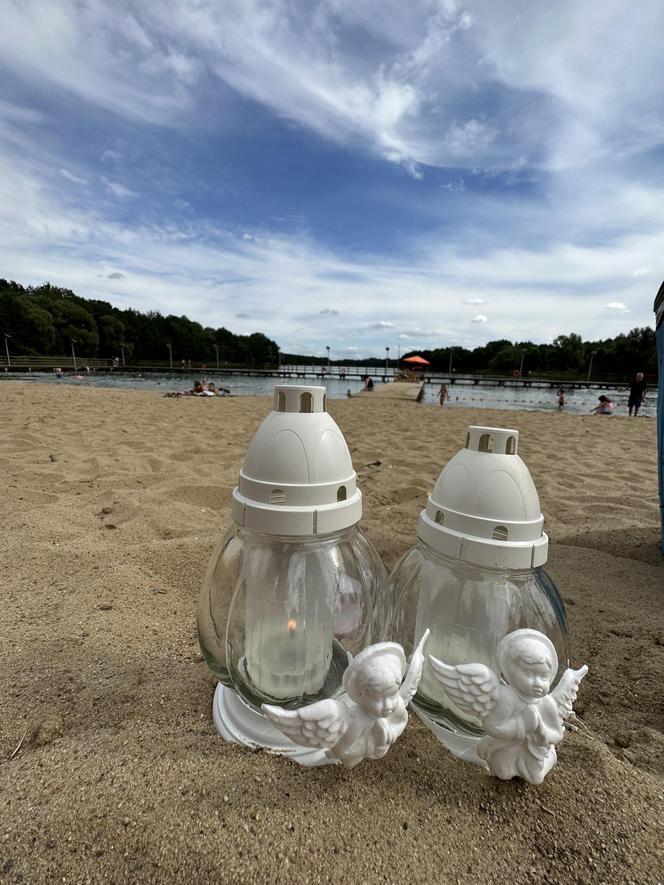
358 174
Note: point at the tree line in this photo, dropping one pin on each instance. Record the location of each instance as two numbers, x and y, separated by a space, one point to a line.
43 320
566 355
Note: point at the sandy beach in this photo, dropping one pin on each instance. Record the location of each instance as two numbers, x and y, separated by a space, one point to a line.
112 502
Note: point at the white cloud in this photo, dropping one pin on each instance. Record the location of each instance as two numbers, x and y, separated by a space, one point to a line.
119 190
76 179
440 85
110 156
420 84
206 271
421 333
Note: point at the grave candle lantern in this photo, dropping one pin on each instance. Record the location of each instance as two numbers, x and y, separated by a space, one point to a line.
475 576
295 591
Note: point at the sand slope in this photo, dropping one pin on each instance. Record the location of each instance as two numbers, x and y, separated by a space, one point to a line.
111 504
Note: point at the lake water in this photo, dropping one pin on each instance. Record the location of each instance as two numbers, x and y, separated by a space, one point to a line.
530 399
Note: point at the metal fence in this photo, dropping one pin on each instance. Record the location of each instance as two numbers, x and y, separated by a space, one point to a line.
429 376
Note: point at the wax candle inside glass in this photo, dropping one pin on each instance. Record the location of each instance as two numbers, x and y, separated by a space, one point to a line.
279 617
289 612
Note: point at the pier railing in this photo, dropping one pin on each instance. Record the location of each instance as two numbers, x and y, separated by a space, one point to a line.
382 374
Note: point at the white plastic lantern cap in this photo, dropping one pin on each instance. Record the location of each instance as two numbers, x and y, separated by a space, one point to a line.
297 477
484 508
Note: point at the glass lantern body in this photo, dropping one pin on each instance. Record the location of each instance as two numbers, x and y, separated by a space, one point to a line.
278 616
468 609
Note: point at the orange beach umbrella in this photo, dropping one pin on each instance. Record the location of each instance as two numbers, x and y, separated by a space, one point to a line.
416 361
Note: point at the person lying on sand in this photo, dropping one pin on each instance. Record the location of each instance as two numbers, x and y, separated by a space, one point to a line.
197 390
219 391
201 389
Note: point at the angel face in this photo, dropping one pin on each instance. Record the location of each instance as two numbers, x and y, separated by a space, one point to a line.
528 661
532 680
378 690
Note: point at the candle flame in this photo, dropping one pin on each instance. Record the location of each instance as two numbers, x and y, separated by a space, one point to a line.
292 625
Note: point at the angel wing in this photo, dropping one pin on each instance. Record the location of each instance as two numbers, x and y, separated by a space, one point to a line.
472 687
412 678
320 725
564 694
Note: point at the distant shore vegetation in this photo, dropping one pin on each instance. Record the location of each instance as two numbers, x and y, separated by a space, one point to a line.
43 320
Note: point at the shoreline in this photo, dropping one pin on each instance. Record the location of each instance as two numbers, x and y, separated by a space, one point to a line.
579 402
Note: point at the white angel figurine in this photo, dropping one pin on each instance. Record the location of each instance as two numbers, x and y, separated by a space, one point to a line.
366 728
522 720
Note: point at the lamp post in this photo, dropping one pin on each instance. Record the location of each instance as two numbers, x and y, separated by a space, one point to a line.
590 364
451 358
387 359
124 364
7 336
328 357
73 352
170 354
216 350
523 353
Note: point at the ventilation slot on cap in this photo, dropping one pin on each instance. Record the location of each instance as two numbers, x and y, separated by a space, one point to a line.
492 440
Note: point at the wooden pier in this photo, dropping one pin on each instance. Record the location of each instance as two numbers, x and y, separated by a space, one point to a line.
320 374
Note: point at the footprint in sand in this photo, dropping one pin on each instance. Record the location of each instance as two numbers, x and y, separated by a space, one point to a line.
409 493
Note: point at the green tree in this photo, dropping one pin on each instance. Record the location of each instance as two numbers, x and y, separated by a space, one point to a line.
31 328
568 353
111 335
74 322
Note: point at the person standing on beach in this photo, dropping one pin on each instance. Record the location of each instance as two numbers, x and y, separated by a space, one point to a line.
637 392
442 394
561 399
